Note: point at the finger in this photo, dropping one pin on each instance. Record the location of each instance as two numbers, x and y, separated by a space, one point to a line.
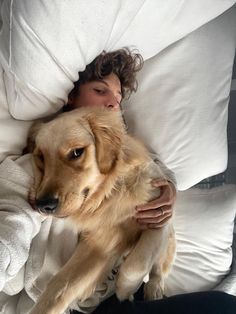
159 183
160 202
164 185
159 225
157 220
166 198
168 189
153 213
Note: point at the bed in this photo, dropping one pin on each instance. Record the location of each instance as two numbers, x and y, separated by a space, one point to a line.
180 109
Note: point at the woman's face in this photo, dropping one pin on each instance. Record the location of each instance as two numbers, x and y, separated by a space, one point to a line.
101 93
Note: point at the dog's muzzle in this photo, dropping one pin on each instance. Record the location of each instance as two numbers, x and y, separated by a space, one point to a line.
47 205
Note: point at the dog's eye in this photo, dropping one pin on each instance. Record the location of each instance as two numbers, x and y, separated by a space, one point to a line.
76 153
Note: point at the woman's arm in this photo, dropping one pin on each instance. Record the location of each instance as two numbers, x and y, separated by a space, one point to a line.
156 214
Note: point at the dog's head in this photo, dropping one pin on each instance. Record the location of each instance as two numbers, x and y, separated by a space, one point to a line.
72 156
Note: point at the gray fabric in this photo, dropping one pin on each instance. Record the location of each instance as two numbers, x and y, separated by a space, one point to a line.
212 182
228 284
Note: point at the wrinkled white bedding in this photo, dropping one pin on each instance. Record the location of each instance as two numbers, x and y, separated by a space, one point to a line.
28 254
43 45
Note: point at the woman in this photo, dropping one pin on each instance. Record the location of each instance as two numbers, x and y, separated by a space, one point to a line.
105 82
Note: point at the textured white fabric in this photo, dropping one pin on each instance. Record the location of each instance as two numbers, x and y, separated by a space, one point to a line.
181 107
18 222
204 222
29 255
45 43
13 132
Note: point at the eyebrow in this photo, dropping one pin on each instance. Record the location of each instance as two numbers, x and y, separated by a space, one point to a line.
105 83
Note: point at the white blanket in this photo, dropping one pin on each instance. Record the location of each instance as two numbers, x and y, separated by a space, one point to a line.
18 222
29 255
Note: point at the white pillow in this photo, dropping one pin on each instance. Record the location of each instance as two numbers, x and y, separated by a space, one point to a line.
13 133
204 222
45 43
180 110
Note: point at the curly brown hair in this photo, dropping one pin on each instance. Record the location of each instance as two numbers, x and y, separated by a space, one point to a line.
123 62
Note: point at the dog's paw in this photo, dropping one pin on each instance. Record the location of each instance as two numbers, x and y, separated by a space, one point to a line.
131 298
123 294
153 291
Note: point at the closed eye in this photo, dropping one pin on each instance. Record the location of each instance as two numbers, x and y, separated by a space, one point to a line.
99 91
75 153
104 92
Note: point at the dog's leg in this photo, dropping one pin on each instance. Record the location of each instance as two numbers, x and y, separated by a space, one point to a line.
138 263
154 288
76 280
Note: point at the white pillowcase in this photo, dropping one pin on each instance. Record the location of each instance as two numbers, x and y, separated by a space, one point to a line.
180 110
45 43
204 222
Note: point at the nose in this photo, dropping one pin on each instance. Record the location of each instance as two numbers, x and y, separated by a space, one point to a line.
112 103
47 204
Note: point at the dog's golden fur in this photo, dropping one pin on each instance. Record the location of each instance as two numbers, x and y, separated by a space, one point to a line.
98 174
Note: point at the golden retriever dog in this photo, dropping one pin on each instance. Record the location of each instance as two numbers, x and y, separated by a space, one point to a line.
89 170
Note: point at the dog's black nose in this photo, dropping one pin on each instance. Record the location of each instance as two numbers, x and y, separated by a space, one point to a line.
47 205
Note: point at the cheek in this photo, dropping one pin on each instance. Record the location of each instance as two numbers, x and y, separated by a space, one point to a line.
75 103
93 101
89 100
82 102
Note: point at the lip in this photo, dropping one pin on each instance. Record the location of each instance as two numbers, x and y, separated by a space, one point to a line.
61 216
52 215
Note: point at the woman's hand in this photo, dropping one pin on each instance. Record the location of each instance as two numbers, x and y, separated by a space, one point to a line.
155 214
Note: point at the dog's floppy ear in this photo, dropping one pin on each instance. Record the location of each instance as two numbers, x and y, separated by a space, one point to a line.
108 131
33 131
